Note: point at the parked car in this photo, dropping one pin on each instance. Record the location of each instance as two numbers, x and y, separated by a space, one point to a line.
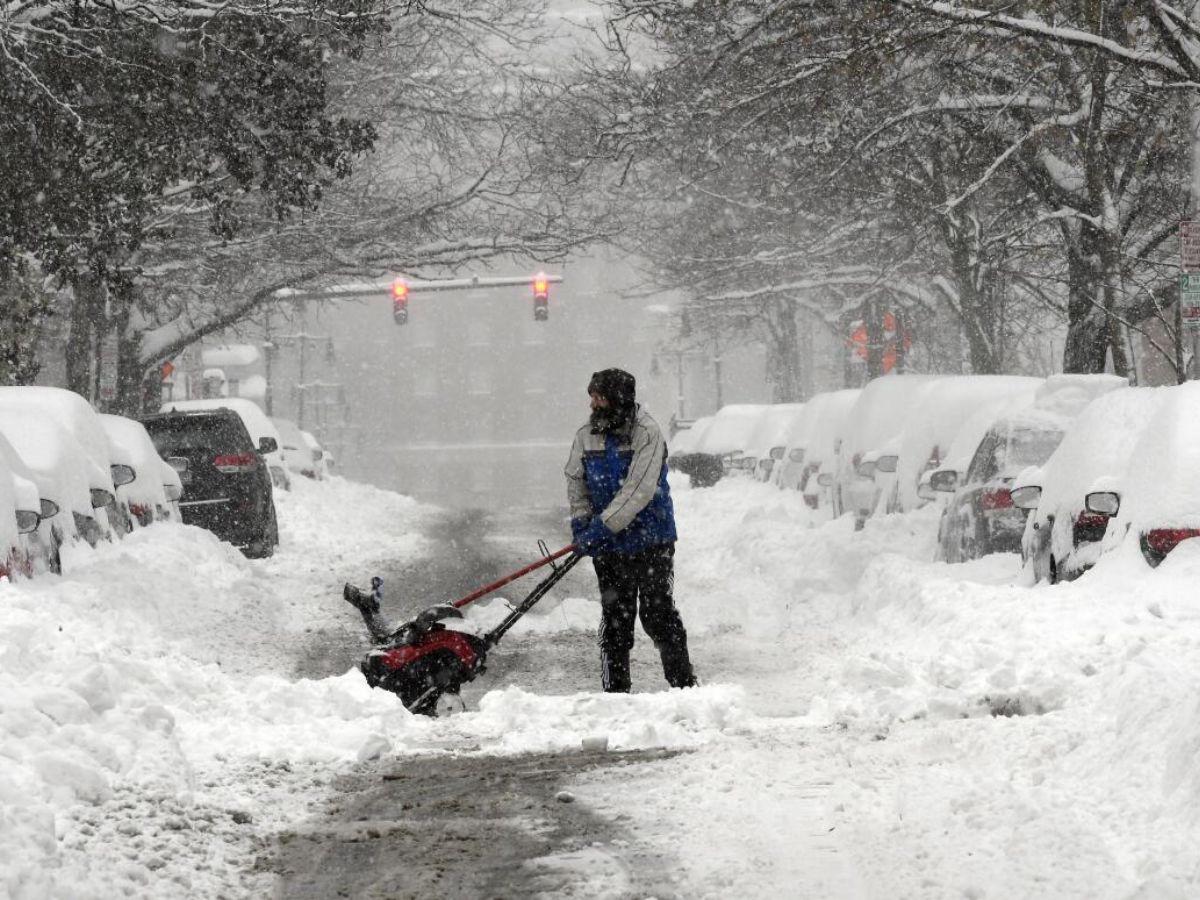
810 439
318 454
877 418
981 518
298 456
225 477
257 424
1155 501
20 515
728 435
942 408
704 469
764 445
71 508
76 416
143 494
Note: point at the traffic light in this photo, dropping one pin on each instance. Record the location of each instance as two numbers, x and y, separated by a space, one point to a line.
541 297
400 301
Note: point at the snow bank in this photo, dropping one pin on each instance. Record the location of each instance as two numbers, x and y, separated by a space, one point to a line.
150 676
963 735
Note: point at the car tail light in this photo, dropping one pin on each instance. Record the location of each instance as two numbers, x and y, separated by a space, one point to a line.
139 510
995 498
1163 540
1091 520
234 462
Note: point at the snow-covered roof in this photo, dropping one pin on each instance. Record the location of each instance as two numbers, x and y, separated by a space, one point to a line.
731 428
230 355
824 419
75 415
882 410
687 439
57 463
253 387
771 427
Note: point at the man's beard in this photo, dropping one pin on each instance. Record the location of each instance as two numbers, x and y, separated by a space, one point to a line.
606 419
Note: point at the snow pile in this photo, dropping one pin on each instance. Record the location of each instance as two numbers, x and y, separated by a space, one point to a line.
119 694
973 736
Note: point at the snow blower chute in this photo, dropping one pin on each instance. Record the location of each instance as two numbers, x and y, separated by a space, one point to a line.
423 659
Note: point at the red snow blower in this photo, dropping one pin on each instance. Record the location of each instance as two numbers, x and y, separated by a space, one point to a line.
423 659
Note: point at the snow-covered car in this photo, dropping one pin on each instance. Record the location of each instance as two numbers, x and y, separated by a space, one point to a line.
317 452
227 484
879 415
1062 537
810 440
703 469
258 424
297 454
1156 500
20 514
728 435
142 493
943 407
981 518
765 445
64 474
77 417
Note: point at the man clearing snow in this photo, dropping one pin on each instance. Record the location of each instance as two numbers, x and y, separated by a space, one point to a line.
621 516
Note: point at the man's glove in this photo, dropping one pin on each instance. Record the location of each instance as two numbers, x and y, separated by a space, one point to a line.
578 526
592 538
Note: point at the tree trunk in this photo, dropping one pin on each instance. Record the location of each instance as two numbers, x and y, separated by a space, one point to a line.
1087 323
783 353
87 317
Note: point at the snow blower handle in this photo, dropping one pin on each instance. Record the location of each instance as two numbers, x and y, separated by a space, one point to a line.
496 585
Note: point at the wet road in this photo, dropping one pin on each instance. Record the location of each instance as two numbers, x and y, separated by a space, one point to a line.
465 826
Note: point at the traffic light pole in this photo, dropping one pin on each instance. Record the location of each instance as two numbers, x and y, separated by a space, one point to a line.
386 289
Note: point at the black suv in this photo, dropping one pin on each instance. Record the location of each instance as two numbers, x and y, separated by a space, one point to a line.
226 482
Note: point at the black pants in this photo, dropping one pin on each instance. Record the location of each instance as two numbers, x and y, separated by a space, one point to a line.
640 583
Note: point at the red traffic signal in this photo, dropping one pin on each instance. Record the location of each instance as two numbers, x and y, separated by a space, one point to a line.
541 297
400 301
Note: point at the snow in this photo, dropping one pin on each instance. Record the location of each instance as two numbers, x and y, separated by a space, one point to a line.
1100 442
58 464
942 408
230 355
730 429
771 428
1160 488
816 432
685 441
130 445
72 413
871 722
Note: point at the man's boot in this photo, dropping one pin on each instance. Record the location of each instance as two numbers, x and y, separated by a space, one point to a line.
677 666
614 671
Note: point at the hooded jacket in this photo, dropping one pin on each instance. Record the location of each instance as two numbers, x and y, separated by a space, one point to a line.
622 477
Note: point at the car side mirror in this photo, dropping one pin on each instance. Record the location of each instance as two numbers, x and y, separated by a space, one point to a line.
925 492
825 479
49 509
944 480
174 491
101 498
797 455
1026 496
122 475
27 521
776 453
1104 503
268 445
887 464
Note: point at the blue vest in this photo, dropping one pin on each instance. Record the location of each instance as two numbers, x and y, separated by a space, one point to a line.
604 473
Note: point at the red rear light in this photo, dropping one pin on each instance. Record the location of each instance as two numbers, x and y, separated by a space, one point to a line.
1163 540
1091 520
995 498
234 462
